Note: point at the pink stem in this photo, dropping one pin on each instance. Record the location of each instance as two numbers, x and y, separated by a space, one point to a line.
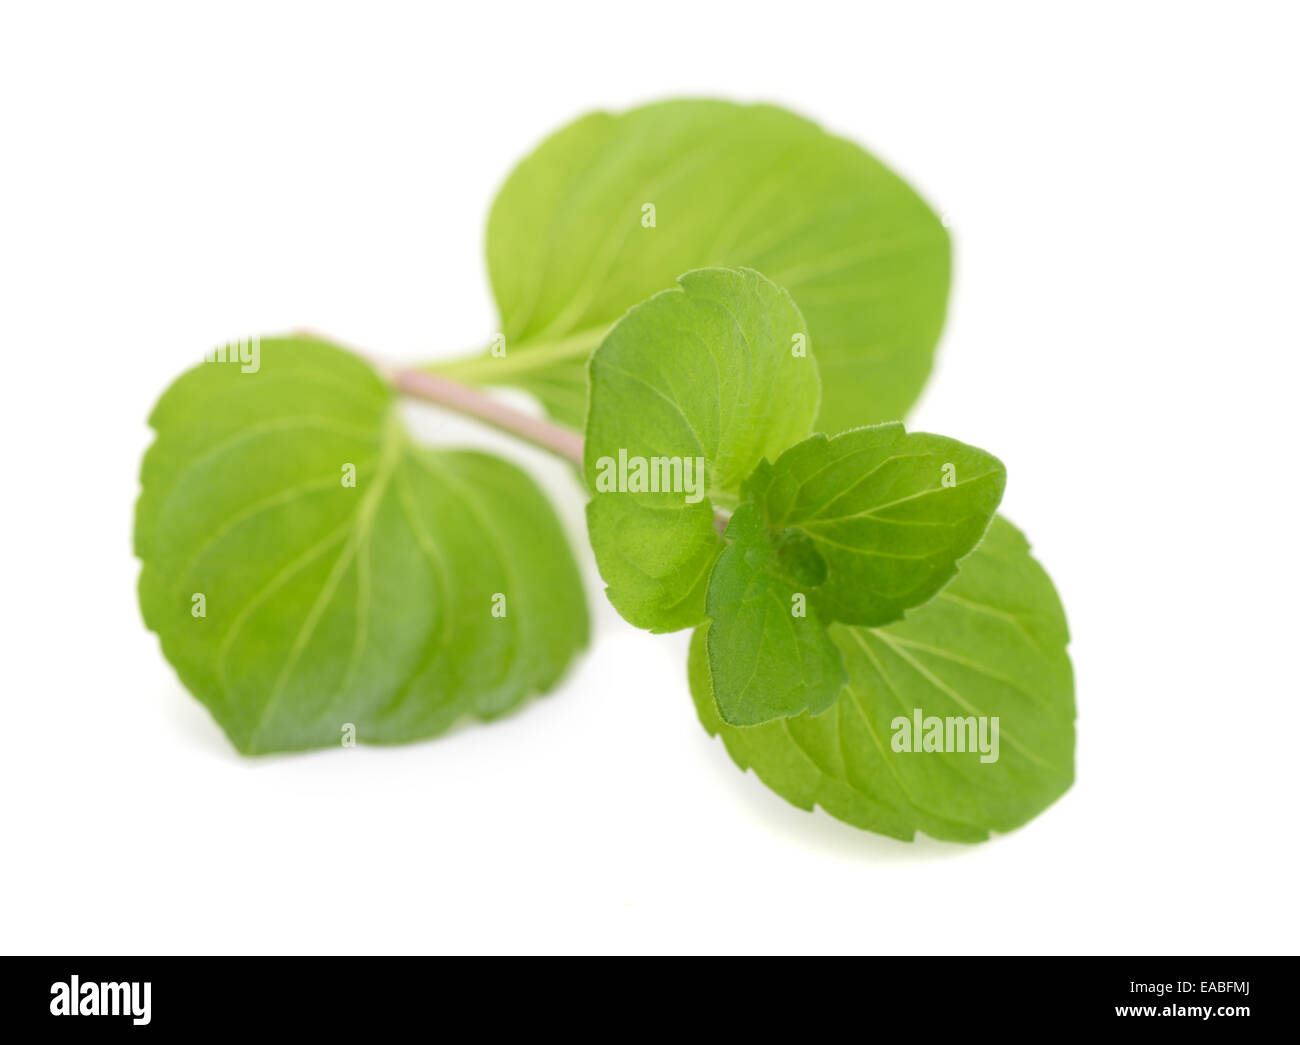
470 401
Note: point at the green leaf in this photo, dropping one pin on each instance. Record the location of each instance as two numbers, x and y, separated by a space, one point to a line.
438 586
882 513
857 529
770 662
689 392
570 247
992 643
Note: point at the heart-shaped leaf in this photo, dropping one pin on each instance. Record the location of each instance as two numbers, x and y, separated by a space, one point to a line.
689 392
608 211
985 659
315 577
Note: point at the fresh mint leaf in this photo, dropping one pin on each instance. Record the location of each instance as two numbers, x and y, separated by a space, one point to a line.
689 392
609 209
857 529
771 660
654 561
315 577
882 514
992 644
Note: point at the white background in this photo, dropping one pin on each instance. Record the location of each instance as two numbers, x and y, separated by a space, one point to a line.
1121 183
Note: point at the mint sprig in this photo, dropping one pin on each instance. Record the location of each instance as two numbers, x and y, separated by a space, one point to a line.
317 578
857 528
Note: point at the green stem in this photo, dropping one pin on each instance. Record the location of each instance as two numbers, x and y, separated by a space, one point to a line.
523 358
